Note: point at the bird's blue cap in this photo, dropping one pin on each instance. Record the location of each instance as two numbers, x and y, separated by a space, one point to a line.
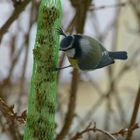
66 43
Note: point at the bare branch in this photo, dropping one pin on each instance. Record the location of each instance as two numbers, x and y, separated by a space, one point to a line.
126 131
134 115
19 8
9 113
108 6
92 129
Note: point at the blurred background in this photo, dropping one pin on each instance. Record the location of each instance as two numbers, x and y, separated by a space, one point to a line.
108 97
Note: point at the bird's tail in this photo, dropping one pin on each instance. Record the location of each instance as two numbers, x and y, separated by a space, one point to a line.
118 55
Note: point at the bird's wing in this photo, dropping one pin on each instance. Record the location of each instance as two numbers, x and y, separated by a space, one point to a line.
91 53
105 60
95 56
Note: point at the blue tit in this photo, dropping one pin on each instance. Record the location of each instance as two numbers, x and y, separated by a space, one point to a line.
86 53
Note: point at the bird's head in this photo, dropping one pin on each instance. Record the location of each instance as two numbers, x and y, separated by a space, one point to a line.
67 45
70 44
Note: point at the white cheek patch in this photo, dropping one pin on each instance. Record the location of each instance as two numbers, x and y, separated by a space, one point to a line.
70 53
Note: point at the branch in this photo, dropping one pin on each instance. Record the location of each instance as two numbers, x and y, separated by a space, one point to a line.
134 115
12 119
19 8
92 129
126 131
10 115
108 6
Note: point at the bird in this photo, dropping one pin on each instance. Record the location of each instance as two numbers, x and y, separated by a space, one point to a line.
86 53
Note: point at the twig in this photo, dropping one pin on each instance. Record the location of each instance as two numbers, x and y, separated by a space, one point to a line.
60 65
125 131
16 2
9 113
92 129
12 119
108 6
134 115
19 8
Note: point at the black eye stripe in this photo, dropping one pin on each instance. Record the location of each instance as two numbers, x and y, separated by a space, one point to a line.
66 42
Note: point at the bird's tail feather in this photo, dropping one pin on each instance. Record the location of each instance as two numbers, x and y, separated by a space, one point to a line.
118 55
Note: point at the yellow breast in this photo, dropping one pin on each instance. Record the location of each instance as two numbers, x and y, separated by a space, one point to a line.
73 62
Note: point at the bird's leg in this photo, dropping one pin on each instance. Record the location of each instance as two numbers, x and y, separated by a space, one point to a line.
57 69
